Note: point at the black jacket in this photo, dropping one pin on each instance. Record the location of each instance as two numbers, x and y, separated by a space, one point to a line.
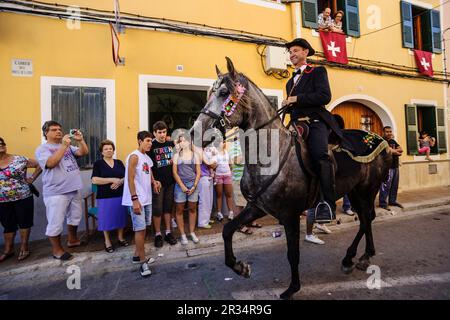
313 93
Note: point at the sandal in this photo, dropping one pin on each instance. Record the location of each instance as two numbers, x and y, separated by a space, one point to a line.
245 230
75 245
66 256
23 255
109 249
123 243
5 256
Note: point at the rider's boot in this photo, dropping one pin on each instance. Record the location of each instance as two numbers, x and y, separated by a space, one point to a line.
326 208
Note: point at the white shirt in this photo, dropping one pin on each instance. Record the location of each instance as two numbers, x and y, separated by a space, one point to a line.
302 68
142 180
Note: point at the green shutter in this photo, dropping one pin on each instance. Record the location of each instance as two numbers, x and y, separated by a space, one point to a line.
436 31
310 13
440 130
83 108
411 129
351 17
407 25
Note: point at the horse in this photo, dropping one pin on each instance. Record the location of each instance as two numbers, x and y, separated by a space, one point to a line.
291 190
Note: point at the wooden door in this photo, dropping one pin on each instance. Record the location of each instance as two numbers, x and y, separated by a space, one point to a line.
358 116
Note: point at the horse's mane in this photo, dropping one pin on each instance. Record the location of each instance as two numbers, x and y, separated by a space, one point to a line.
245 101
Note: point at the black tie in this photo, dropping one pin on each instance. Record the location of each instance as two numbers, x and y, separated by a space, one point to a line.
299 71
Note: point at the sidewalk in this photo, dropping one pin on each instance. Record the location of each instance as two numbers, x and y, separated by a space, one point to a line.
210 239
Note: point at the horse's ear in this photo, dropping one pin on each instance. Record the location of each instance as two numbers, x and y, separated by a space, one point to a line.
230 68
219 73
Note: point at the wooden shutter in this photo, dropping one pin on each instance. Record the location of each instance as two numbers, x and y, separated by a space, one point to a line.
440 130
351 18
93 122
310 13
411 129
66 106
407 25
83 108
436 31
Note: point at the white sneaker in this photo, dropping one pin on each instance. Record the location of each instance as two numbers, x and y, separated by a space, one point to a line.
184 240
174 224
349 212
219 216
231 215
145 270
322 228
194 238
313 239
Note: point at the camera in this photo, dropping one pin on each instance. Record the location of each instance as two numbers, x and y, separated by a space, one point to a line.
72 132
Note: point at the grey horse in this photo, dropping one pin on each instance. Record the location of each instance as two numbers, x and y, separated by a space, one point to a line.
290 190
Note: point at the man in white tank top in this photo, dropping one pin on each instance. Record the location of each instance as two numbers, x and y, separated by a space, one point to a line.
137 196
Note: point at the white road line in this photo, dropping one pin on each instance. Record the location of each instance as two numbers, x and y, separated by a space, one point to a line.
326 288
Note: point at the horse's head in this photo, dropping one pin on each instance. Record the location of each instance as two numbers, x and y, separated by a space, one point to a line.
227 104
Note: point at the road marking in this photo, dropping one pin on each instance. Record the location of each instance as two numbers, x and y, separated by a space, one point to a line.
327 288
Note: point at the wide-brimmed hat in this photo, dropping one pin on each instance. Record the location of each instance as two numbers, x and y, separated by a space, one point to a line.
301 43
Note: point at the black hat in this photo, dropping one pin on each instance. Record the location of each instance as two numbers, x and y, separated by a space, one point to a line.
301 43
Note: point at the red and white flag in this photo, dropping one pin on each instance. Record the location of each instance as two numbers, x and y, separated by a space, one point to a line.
115 44
334 47
424 62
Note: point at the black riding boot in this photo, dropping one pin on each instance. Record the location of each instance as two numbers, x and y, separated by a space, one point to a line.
326 209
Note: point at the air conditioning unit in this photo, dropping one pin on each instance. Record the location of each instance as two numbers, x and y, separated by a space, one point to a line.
275 59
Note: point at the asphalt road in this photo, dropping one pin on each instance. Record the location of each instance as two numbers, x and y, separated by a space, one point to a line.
413 258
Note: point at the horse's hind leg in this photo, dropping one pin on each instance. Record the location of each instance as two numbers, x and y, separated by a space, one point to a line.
292 229
364 260
248 215
347 263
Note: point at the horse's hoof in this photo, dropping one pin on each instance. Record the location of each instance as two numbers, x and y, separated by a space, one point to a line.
363 265
289 293
243 269
347 270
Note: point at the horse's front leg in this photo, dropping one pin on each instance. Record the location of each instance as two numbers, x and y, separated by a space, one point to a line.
248 215
292 229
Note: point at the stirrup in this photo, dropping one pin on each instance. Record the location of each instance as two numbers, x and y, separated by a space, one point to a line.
323 213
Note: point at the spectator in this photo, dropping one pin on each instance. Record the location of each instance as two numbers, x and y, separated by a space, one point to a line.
62 184
224 181
137 196
324 20
336 23
238 171
161 154
389 188
425 144
16 200
347 207
108 174
206 189
310 225
186 171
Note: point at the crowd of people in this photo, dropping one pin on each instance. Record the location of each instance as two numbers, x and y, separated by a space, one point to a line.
155 184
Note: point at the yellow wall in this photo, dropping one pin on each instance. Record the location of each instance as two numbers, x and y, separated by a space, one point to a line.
86 53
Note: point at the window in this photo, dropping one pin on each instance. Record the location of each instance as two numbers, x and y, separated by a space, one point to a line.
425 118
177 108
83 108
312 8
421 28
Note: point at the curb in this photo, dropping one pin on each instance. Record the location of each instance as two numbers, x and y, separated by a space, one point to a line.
210 244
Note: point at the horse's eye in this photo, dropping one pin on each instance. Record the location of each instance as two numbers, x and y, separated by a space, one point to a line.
223 93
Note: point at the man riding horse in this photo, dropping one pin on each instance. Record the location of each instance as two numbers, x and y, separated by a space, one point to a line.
308 92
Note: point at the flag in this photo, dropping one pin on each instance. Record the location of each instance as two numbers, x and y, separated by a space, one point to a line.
424 62
115 44
334 47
